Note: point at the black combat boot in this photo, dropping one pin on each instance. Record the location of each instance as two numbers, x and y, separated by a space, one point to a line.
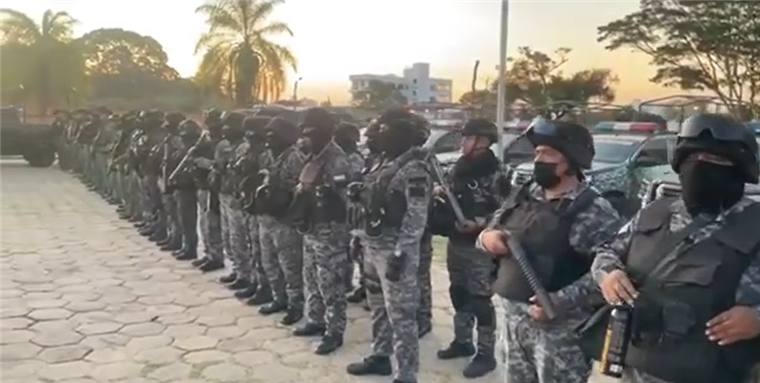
200 261
329 344
140 224
172 245
239 284
359 295
372 365
229 278
157 236
248 291
179 252
273 307
403 381
309 329
263 296
292 316
189 255
479 366
424 329
121 209
211 266
165 241
456 350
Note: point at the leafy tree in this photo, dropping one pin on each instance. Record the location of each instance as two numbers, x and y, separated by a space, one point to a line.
379 95
536 78
696 45
239 57
125 64
39 66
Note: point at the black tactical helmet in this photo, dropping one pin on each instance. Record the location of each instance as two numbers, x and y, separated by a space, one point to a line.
403 119
212 116
175 118
255 126
572 140
319 119
481 127
190 128
287 131
233 120
347 131
720 135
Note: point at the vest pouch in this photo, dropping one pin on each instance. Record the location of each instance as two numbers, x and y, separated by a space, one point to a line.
328 206
395 210
510 282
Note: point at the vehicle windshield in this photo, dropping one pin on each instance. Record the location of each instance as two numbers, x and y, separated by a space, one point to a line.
444 114
613 151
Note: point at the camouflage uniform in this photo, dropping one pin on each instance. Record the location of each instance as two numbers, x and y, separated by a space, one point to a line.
356 164
281 243
325 256
547 351
170 198
612 253
394 304
425 309
235 225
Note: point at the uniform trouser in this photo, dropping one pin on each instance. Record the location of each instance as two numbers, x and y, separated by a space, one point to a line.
282 257
539 352
155 199
236 237
631 375
146 191
101 171
470 277
187 211
394 307
134 195
171 215
355 259
258 274
211 227
324 264
425 309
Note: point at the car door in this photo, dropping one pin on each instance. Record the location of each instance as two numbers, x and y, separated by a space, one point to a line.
656 151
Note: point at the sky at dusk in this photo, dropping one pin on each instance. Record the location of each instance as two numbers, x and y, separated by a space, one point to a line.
336 38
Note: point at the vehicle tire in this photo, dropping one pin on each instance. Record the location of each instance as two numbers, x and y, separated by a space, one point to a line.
40 157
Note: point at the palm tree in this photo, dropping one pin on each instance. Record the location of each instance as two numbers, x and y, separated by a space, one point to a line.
239 59
39 64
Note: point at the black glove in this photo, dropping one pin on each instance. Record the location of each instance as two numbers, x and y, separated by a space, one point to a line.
395 267
354 191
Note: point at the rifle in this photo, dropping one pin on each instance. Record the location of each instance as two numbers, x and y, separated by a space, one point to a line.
518 253
438 172
190 152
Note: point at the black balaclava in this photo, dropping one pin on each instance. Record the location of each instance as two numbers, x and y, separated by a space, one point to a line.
709 188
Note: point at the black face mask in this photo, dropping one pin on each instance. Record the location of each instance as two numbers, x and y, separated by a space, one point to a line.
545 174
708 188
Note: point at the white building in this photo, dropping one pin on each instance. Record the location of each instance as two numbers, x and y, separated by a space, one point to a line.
416 84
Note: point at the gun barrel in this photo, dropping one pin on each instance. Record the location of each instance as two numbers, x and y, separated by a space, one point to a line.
449 195
518 253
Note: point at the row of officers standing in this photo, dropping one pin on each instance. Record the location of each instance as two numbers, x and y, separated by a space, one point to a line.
672 296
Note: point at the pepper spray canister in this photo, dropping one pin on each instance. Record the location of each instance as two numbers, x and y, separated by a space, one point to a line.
616 340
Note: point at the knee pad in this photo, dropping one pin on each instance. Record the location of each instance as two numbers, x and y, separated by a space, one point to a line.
482 308
459 297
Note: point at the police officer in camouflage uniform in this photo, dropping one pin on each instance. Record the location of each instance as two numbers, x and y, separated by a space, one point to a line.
234 229
356 250
208 195
473 180
321 215
424 278
281 243
347 136
690 266
185 193
172 152
148 157
248 167
398 197
559 220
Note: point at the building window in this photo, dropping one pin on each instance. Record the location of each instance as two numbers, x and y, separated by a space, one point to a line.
432 99
414 81
414 93
433 88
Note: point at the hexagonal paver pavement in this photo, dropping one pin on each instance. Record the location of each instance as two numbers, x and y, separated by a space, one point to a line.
87 299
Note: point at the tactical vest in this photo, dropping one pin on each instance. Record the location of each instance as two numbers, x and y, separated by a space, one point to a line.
543 229
386 208
474 196
689 287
